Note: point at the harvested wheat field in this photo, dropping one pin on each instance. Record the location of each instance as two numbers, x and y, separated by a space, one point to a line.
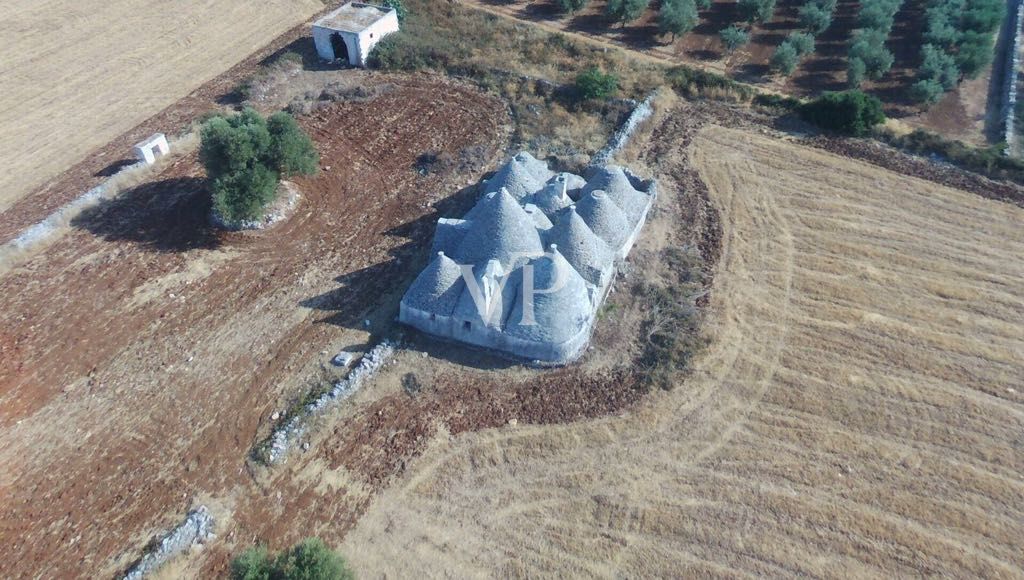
78 74
859 411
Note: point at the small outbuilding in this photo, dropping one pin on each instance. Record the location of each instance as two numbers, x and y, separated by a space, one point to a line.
155 146
350 32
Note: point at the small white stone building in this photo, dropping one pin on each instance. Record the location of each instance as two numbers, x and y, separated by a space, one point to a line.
155 146
350 32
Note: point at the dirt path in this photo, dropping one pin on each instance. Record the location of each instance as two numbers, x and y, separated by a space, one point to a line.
142 352
861 401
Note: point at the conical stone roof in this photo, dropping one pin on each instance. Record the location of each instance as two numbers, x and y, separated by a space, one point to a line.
500 229
604 218
437 288
572 181
588 254
552 198
558 316
523 175
613 181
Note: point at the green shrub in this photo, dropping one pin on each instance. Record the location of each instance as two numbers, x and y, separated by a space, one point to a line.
850 112
734 37
703 4
975 52
691 82
400 9
926 91
625 10
245 154
756 10
785 59
940 27
878 14
570 6
596 84
869 47
802 42
773 101
855 72
677 17
815 19
291 151
310 559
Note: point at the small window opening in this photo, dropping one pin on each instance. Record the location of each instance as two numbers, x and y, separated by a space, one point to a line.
467 326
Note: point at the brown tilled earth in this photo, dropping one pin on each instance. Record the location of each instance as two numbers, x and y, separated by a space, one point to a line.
143 351
858 412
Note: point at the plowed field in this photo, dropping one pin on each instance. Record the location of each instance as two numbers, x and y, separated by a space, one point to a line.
859 411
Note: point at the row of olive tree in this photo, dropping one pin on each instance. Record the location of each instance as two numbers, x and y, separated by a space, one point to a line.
815 18
868 57
959 37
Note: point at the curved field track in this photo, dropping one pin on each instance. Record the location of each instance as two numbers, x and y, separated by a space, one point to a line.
860 411
75 75
143 354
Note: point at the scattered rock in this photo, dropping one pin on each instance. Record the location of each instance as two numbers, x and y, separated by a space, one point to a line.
284 437
343 359
197 528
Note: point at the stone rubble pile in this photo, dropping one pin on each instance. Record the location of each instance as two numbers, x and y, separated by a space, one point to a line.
196 529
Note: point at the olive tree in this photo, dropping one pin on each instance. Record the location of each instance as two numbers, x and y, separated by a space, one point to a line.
245 155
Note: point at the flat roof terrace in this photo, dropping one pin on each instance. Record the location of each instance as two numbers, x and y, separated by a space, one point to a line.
352 17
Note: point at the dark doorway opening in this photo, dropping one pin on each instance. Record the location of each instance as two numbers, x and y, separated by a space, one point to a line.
339 47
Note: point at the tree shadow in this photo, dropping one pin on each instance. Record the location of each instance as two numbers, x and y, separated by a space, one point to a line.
704 55
995 101
379 287
166 216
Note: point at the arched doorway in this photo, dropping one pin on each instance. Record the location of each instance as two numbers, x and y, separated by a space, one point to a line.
339 47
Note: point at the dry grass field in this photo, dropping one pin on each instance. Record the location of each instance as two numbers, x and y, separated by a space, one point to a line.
77 74
860 411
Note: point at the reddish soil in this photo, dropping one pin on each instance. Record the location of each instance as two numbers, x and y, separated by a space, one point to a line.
143 350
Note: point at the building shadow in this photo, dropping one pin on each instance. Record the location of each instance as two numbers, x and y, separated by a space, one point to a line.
171 215
115 167
373 293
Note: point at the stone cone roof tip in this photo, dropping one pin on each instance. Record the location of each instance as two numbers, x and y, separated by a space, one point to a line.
500 230
437 288
604 218
582 248
551 198
572 181
613 181
522 175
